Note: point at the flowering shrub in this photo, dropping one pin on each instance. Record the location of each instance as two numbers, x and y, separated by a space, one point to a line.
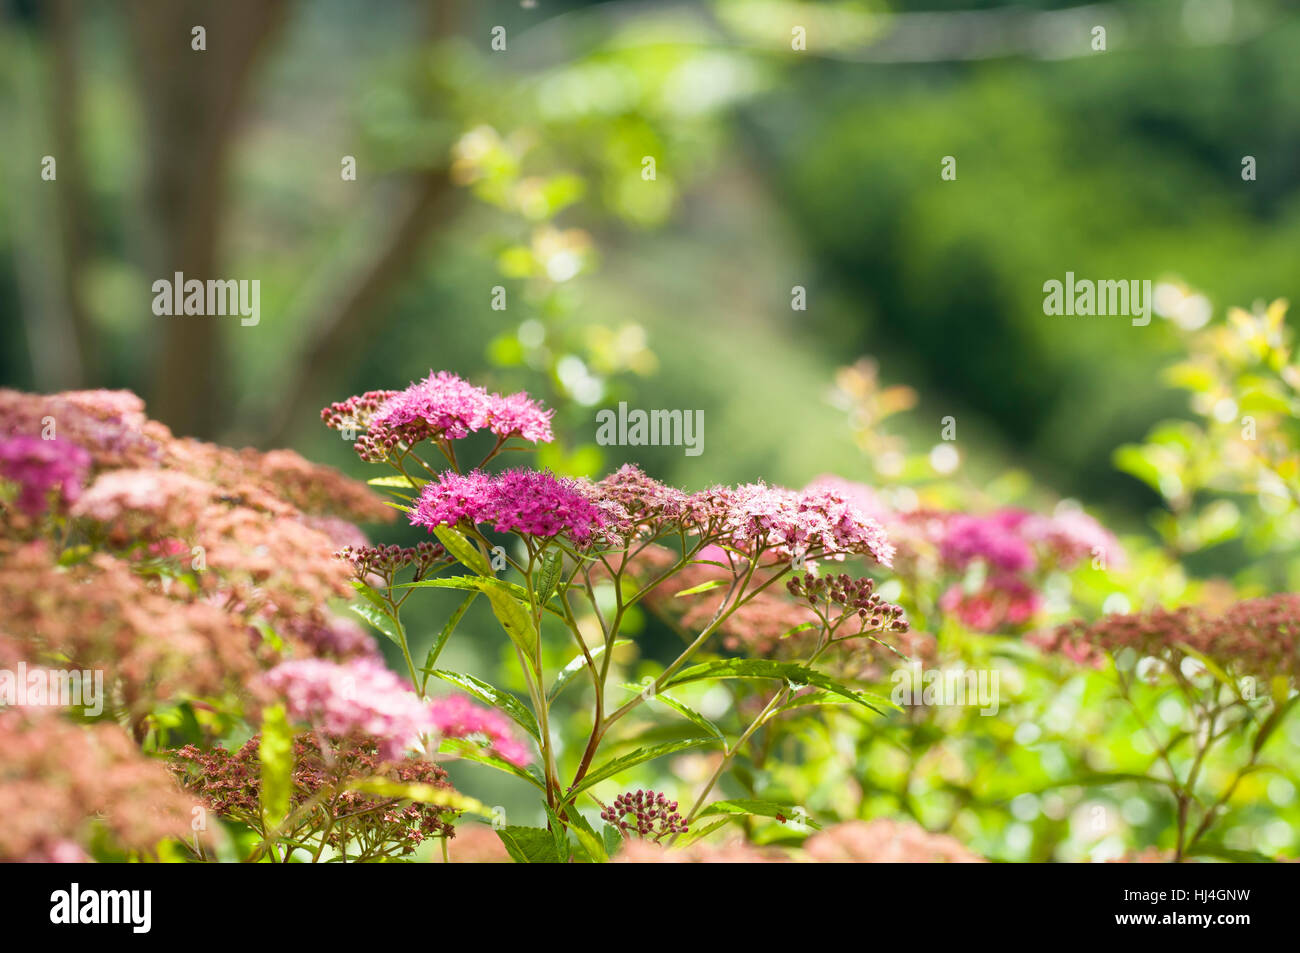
812 707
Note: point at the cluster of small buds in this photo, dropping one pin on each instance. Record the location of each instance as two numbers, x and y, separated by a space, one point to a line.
852 595
354 414
386 561
646 814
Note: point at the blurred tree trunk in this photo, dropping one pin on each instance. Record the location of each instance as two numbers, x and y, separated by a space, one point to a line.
72 207
192 103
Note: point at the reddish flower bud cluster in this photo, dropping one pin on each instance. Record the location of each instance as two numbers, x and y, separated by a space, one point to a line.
645 814
387 561
853 596
229 783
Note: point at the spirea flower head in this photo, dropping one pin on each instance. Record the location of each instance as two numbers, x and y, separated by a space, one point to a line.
530 502
818 522
995 538
455 716
358 699
40 466
637 505
443 406
1003 600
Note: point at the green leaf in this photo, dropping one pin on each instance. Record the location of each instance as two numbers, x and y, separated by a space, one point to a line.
591 845
400 482
529 845
275 753
498 699
639 756
475 583
702 587
576 665
398 506
379 618
612 839
436 649
465 552
549 577
559 835
517 622
769 668
754 808
422 793
699 831
472 752
690 714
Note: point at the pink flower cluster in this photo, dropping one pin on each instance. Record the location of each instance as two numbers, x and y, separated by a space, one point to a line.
39 466
532 502
813 522
455 716
362 699
440 407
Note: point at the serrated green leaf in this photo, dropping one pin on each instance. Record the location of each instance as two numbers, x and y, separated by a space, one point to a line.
503 701
743 807
515 620
576 665
465 552
690 714
529 845
423 794
639 756
398 481
549 576
472 752
379 618
450 626
791 672
702 587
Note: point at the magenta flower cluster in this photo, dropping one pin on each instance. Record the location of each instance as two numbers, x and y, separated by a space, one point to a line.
451 408
455 716
39 466
530 502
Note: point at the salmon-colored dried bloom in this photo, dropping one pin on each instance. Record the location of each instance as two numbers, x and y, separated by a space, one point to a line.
735 852
59 782
886 841
101 615
1255 636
